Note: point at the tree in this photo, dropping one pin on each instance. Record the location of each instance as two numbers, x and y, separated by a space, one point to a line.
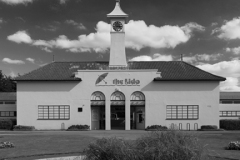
6 83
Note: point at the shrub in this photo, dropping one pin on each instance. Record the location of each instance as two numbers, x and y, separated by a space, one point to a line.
79 127
23 128
209 127
157 127
6 124
230 124
233 146
156 145
6 145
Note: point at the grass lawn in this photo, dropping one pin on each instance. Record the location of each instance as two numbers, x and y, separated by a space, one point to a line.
33 145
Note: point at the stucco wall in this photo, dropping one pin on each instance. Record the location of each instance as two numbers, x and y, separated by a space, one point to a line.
77 94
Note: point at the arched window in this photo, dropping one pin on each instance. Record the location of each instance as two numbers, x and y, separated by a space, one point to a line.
137 98
97 98
117 98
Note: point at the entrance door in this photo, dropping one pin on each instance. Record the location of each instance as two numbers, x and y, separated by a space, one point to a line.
140 118
118 117
95 118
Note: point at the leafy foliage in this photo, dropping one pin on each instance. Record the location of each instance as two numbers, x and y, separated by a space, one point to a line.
209 127
6 83
230 124
79 127
6 124
6 145
156 145
23 128
157 127
233 146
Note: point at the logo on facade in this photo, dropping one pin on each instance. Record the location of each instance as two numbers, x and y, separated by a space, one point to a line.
101 78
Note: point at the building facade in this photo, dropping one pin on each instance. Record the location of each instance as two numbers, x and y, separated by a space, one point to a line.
229 105
118 94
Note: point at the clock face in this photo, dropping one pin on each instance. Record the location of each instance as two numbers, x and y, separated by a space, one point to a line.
117 26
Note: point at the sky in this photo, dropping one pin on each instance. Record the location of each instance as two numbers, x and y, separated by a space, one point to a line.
205 32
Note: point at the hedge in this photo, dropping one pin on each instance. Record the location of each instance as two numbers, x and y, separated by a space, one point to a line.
23 128
230 124
7 123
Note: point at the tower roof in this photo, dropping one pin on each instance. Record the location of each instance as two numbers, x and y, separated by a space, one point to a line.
117 12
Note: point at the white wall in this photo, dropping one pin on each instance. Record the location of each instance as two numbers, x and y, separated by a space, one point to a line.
77 94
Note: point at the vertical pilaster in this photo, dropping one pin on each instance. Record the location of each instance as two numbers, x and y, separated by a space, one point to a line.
107 114
127 115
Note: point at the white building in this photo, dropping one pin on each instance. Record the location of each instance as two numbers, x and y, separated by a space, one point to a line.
118 94
229 105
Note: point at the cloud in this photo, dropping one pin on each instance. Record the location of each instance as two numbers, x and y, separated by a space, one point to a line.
138 36
230 30
20 37
228 69
1 20
231 84
10 61
12 74
192 26
30 60
63 1
235 50
214 24
155 57
77 25
15 2
202 57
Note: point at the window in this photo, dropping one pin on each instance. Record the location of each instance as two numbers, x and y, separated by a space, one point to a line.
229 114
230 101
182 112
8 114
10 102
54 112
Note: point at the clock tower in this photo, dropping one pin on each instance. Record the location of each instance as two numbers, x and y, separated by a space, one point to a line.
117 50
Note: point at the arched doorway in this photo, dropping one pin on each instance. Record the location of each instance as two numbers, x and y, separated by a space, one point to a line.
97 111
117 110
137 110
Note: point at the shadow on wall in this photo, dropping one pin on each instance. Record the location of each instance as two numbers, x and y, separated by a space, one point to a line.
46 86
181 86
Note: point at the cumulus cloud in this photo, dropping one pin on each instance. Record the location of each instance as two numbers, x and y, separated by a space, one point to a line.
231 84
30 60
192 26
235 50
10 61
15 2
75 24
63 1
228 69
20 37
155 57
230 30
138 36
202 57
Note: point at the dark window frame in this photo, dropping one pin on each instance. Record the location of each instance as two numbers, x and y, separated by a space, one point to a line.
229 113
53 112
14 113
182 112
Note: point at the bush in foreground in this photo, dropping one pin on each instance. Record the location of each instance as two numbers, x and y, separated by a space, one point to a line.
156 145
79 127
230 124
6 145
233 146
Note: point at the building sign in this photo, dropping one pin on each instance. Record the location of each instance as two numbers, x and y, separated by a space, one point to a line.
106 80
126 82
